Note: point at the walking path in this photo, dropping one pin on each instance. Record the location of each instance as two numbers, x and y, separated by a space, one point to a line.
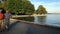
27 15
24 28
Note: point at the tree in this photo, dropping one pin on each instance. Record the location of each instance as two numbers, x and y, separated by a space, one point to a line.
41 10
19 6
29 7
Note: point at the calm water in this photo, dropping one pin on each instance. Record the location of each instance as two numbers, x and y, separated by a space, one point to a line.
49 19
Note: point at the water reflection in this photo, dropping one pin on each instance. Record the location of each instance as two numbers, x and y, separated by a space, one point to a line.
36 19
50 19
31 19
40 19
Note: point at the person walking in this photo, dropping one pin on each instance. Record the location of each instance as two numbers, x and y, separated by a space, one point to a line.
7 19
2 24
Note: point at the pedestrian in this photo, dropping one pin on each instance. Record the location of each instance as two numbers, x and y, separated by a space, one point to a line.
7 19
2 24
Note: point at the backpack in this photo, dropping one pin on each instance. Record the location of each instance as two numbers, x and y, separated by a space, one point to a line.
1 16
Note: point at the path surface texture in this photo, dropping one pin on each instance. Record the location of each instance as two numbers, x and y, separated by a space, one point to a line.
24 28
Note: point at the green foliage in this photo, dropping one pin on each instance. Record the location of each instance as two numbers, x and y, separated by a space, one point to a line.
29 8
19 7
22 7
41 10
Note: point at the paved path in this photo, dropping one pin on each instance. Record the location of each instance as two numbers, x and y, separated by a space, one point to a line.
27 15
16 28
23 28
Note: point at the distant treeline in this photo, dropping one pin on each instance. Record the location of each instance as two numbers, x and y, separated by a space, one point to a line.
21 7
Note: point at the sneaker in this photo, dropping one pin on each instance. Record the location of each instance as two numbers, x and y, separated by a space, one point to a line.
6 27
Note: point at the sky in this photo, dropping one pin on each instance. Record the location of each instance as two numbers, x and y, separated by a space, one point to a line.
52 6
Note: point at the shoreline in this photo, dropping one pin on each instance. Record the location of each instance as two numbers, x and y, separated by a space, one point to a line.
33 23
28 15
39 15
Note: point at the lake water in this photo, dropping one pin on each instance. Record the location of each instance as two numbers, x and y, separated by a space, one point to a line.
49 19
